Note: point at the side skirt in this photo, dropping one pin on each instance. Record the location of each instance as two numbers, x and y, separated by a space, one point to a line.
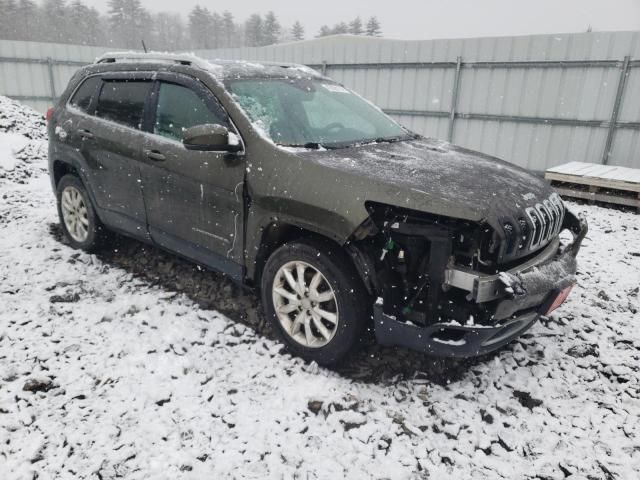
198 254
130 228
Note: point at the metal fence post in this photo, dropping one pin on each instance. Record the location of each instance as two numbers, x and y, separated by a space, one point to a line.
624 74
454 99
52 84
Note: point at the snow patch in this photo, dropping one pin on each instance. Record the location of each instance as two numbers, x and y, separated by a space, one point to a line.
10 145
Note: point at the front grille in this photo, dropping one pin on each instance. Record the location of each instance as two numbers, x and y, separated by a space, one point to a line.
532 230
546 221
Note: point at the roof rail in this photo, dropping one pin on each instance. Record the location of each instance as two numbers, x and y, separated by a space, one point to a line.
181 59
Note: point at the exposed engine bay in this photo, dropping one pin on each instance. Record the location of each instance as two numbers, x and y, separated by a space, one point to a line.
435 271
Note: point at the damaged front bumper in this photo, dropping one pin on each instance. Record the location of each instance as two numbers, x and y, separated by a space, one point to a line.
518 297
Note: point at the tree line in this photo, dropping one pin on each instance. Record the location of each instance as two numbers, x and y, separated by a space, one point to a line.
126 23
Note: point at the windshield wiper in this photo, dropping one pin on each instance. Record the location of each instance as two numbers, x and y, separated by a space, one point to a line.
310 145
387 139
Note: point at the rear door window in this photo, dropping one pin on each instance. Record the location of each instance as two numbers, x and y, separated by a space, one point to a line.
122 101
179 108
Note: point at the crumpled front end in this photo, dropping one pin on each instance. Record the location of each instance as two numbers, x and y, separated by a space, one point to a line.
440 293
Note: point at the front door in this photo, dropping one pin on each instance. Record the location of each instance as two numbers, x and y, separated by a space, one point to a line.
193 199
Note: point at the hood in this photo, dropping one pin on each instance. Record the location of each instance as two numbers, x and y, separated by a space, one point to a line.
440 178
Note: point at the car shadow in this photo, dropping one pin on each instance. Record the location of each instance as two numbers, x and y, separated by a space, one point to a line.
210 290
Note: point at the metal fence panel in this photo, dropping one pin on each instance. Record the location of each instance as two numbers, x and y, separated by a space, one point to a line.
27 74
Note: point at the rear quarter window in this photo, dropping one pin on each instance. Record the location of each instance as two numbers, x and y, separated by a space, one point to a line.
82 98
122 101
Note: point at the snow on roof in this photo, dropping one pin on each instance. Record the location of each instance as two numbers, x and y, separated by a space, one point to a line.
219 67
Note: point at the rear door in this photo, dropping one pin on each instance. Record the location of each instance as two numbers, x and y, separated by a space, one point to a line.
194 199
111 142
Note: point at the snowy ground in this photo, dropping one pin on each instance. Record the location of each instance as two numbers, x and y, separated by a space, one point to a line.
135 364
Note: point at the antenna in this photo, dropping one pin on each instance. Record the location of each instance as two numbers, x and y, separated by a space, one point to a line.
144 47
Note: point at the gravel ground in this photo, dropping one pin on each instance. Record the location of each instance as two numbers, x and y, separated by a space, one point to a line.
134 364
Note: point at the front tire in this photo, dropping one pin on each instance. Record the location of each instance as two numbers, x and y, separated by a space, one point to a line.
315 300
80 224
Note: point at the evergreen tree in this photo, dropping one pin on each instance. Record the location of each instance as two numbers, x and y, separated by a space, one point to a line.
27 21
4 21
216 30
253 31
97 27
325 31
355 26
297 31
205 23
85 24
340 28
56 25
373 27
228 29
8 19
198 27
271 30
168 32
127 21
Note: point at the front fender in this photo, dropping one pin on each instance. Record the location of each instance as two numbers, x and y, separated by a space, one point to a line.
288 212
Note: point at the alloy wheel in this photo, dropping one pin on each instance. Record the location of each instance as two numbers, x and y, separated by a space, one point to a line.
305 304
74 214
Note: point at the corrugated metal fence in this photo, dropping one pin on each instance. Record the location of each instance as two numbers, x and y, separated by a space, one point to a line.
36 73
537 101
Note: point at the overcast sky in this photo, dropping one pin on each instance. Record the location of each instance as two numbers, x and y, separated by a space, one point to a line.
424 19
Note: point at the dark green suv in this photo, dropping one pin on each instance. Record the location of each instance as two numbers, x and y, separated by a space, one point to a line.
292 184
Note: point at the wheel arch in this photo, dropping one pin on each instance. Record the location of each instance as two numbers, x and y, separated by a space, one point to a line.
276 234
60 168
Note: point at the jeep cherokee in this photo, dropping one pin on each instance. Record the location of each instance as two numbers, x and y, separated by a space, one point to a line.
290 183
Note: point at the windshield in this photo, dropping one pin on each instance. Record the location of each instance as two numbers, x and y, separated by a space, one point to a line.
312 113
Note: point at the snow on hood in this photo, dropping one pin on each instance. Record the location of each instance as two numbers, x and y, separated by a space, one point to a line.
436 176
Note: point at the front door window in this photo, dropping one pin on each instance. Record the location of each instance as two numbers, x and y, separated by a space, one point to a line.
180 108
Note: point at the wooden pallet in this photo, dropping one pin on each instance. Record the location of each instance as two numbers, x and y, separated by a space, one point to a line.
597 183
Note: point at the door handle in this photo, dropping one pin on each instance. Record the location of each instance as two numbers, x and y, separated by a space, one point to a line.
85 134
154 155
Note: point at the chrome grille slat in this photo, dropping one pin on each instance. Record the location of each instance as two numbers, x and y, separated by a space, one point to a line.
554 217
535 223
545 218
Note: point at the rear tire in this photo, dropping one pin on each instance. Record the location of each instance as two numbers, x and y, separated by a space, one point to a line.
315 300
81 226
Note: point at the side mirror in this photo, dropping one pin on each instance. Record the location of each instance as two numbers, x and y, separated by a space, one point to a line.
210 137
